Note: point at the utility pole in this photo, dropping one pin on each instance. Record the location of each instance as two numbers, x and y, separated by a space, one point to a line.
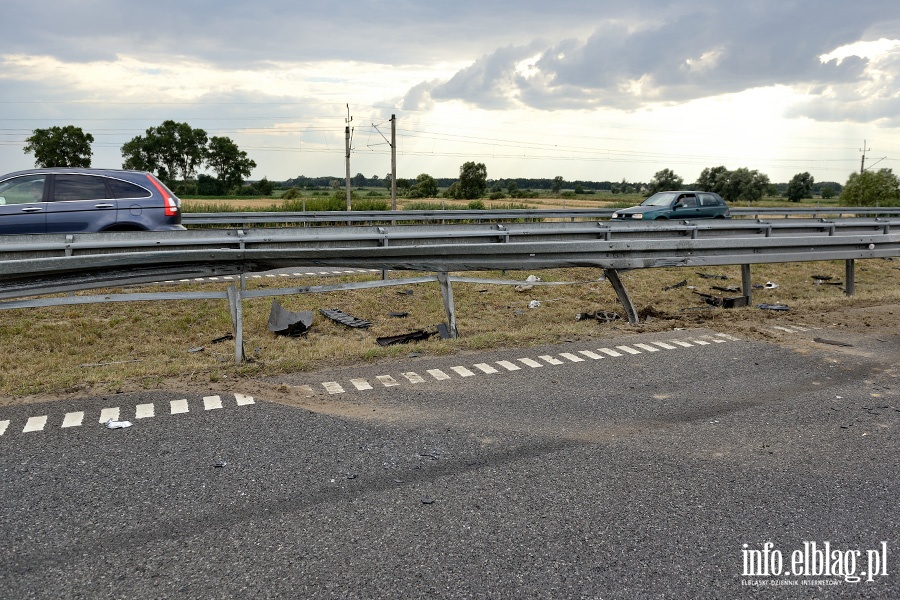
347 152
393 162
862 164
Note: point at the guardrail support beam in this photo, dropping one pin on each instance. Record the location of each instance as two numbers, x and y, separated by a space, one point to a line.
850 277
447 294
746 284
237 321
622 293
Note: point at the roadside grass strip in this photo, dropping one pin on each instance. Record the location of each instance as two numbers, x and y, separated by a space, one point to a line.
143 411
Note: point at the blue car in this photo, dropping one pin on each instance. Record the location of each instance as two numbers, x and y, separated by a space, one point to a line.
70 200
676 205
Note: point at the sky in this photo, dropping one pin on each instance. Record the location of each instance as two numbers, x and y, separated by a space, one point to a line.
600 90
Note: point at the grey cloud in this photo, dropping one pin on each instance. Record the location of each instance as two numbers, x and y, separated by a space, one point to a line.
704 51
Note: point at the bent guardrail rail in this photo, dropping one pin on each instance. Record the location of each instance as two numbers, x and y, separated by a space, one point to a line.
312 218
40 265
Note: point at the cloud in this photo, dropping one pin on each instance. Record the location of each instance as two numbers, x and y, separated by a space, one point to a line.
706 52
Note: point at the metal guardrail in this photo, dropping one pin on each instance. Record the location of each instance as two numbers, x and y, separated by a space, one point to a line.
46 264
246 219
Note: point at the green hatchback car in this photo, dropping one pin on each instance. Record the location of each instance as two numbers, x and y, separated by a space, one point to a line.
676 205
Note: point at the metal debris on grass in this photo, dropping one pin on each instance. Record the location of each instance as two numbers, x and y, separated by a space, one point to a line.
598 315
773 306
289 323
343 318
675 286
709 276
404 338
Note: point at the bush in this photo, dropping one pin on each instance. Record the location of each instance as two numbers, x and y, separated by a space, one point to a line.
497 196
476 205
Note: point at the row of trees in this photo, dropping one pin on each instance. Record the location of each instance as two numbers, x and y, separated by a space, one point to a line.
176 151
173 151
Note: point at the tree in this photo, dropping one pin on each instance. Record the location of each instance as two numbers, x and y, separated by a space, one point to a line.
67 146
230 163
713 180
425 187
827 192
472 180
172 149
872 188
744 184
359 180
664 180
557 184
800 187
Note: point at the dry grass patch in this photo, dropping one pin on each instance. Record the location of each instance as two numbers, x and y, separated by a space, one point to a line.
106 348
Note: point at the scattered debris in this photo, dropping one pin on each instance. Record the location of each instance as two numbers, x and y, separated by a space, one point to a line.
427 501
600 315
224 338
405 292
773 306
412 336
820 278
675 286
731 289
770 286
730 302
832 342
197 349
286 322
534 304
708 276
398 315
220 465
531 279
114 424
343 318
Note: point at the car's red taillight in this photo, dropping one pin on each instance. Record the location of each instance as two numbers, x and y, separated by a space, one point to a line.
169 203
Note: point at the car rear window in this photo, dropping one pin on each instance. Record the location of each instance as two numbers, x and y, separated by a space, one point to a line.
708 200
124 189
79 187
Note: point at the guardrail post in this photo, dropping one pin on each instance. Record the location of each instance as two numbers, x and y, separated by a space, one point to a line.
622 293
447 294
850 277
237 320
746 284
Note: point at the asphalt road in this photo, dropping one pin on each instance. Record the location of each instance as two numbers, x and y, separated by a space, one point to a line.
580 474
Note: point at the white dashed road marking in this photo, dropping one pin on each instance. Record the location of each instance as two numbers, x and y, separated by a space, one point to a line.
332 387
529 362
589 354
35 424
664 345
143 411
628 349
550 360
572 357
361 384
438 374
109 413
212 402
486 368
179 406
73 419
3 426
414 377
508 365
462 371
243 400
609 352
387 380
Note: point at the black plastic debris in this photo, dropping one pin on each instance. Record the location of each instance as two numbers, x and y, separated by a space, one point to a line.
398 315
405 292
220 464
729 289
773 306
599 315
729 302
404 338
832 342
444 331
709 276
286 322
675 286
822 277
224 338
343 318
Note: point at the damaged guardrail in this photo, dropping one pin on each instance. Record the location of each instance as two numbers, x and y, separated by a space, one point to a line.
314 218
40 265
